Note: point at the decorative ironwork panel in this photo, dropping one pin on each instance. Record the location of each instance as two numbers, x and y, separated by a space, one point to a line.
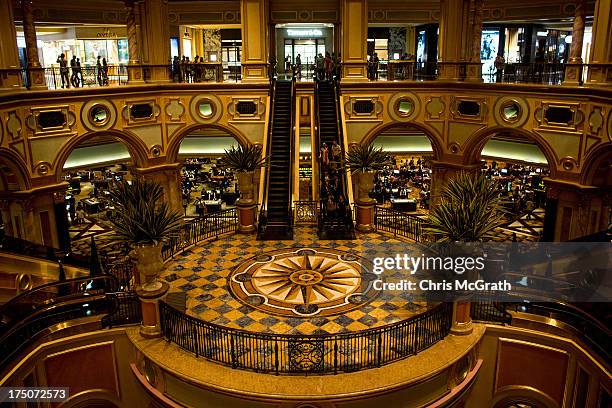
306 212
306 355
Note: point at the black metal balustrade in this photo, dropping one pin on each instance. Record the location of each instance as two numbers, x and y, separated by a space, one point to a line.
306 212
398 223
123 308
303 354
209 226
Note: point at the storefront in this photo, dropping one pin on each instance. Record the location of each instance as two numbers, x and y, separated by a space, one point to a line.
305 40
86 43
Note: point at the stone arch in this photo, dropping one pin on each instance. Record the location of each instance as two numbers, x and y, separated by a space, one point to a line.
13 171
135 146
476 143
177 139
431 134
597 170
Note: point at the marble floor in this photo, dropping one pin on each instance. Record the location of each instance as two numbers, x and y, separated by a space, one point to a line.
303 286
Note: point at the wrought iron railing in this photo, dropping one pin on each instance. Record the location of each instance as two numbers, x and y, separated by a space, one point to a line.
487 309
398 223
302 354
208 226
306 212
123 309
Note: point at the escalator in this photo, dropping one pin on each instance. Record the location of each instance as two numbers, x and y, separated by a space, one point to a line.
275 219
335 220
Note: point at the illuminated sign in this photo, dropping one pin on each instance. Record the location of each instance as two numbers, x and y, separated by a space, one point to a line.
305 33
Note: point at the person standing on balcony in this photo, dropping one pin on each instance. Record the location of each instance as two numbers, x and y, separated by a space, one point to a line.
79 71
105 71
328 66
375 62
287 64
319 66
499 63
73 77
61 60
298 66
99 70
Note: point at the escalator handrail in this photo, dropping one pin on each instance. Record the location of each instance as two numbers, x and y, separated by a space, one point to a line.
340 141
318 150
268 153
292 135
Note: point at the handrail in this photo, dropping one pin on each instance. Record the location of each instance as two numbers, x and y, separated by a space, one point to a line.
292 164
49 294
264 197
341 143
306 354
398 223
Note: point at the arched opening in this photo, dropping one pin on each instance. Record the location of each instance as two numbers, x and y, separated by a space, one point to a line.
91 164
406 183
206 187
518 163
598 172
13 178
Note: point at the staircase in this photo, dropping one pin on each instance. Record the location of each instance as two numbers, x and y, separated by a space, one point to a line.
340 224
277 222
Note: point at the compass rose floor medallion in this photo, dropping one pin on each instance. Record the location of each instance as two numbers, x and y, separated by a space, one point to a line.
304 282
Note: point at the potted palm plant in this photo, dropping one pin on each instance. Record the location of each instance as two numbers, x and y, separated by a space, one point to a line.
244 160
363 161
144 221
470 208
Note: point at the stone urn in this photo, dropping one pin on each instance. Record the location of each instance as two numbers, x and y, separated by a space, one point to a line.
149 265
245 185
363 183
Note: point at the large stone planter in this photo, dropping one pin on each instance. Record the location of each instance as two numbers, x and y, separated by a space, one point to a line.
246 204
364 205
149 265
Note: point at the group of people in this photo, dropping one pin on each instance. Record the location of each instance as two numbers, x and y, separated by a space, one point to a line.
402 179
185 70
332 188
76 77
325 67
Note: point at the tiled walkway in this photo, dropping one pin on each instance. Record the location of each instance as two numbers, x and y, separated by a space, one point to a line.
204 272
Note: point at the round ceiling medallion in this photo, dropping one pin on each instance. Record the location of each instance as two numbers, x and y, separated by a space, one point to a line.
304 282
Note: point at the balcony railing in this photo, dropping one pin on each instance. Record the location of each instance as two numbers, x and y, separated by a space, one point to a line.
398 223
301 354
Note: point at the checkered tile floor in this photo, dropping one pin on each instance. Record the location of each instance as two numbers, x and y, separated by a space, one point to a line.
202 273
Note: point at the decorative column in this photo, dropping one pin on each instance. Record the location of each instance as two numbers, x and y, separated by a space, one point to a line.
473 70
450 40
134 67
600 64
462 319
573 69
36 72
168 176
10 71
254 27
354 40
155 29
149 304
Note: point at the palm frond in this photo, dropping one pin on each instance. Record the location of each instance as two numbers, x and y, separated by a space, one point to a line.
141 217
469 209
366 158
243 158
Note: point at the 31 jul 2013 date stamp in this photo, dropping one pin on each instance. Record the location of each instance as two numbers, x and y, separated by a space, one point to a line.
34 394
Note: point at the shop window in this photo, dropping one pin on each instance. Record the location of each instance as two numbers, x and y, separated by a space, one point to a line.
51 119
468 108
559 114
141 111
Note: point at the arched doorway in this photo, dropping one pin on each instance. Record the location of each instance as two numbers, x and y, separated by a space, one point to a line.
405 184
90 164
598 173
519 163
206 186
13 178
